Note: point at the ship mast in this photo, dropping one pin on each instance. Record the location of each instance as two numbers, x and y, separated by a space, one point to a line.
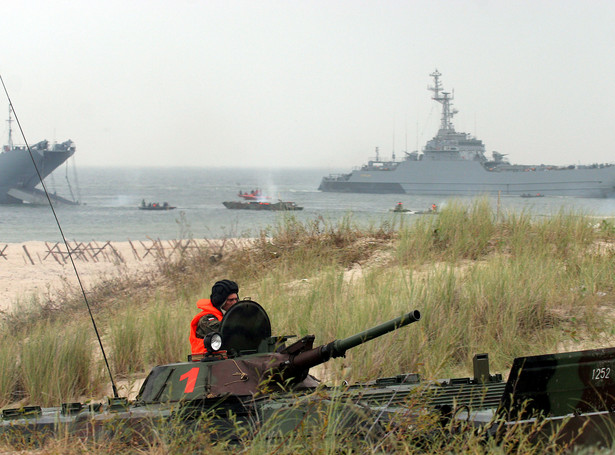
9 121
444 98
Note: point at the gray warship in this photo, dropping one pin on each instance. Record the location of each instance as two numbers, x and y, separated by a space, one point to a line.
454 163
18 177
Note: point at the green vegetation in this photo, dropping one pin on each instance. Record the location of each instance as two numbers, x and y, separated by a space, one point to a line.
506 284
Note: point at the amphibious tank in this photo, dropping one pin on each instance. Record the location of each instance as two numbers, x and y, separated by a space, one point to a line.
252 383
248 379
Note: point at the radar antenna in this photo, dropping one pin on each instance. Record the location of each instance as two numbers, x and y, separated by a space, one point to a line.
444 98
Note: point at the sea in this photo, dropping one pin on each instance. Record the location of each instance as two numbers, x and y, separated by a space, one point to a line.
110 197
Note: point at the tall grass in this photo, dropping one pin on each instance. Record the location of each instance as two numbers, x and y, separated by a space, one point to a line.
126 340
57 364
458 232
471 231
166 334
9 370
299 249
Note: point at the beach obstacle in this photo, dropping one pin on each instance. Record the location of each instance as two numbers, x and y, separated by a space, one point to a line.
94 252
81 251
27 254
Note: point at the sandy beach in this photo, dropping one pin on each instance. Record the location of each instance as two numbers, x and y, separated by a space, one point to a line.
41 269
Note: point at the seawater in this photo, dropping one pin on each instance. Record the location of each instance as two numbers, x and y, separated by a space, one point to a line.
110 199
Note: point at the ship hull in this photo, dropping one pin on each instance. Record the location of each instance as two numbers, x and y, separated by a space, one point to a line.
471 178
17 173
252 205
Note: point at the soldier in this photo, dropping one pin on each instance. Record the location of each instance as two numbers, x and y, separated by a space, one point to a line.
223 297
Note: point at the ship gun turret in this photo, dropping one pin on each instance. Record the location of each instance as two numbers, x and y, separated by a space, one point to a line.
249 361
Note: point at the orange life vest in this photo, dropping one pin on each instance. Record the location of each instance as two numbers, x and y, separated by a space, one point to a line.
197 343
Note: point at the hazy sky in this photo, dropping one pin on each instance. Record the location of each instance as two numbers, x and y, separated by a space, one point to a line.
311 83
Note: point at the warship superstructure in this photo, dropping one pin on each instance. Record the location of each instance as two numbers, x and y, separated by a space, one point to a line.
454 163
18 177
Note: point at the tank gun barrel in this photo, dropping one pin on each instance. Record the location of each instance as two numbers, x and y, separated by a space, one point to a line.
338 348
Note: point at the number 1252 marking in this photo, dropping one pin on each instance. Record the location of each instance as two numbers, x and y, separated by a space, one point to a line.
601 373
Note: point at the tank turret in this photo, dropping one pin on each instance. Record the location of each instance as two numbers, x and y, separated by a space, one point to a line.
251 361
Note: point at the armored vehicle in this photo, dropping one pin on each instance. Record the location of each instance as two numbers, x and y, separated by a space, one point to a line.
251 382
247 379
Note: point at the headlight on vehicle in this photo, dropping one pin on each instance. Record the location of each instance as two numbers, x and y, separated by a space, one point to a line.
213 342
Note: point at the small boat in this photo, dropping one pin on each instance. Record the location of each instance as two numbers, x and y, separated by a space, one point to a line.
399 208
155 206
532 195
258 205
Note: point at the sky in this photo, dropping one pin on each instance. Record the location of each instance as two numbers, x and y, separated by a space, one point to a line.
318 83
